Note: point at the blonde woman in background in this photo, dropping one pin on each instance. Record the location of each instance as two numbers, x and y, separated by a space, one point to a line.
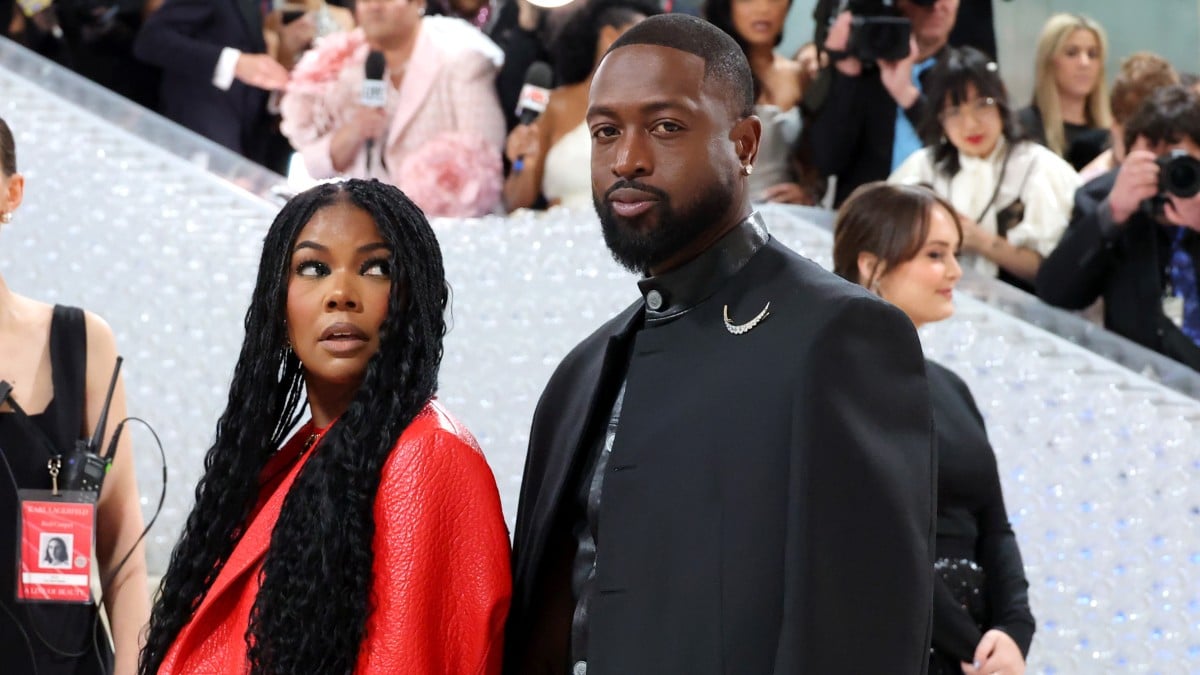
1070 110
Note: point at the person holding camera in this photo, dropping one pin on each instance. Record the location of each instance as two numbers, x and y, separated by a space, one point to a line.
1139 76
866 126
1133 238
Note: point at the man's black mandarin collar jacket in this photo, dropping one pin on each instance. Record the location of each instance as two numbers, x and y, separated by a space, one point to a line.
768 503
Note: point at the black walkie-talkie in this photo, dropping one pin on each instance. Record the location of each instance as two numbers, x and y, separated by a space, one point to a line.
84 468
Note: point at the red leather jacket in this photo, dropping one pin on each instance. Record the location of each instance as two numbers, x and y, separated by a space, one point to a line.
442 585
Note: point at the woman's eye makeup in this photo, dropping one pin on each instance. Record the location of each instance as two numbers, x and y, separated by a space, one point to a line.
378 267
311 268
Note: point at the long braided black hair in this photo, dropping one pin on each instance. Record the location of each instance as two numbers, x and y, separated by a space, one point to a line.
312 605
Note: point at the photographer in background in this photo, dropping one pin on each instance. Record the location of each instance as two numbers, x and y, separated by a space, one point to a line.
1134 237
866 125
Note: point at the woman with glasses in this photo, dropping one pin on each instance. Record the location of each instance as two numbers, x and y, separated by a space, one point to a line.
1013 196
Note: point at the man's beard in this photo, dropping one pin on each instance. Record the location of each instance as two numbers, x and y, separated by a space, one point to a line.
638 250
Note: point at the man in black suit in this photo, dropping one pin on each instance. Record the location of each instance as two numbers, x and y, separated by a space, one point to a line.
216 72
1119 246
735 474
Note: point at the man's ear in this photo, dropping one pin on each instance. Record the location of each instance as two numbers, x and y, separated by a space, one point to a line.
745 135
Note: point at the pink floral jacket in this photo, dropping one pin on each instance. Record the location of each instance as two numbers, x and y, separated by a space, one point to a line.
446 131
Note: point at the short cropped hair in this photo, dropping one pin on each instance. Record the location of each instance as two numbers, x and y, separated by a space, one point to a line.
1140 75
724 61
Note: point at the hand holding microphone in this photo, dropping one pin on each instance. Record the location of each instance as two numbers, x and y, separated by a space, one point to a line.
371 118
535 94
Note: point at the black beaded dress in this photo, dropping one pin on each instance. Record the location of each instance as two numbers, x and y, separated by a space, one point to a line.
981 581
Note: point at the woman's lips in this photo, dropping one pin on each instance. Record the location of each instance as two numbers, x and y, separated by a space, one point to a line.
975 139
341 339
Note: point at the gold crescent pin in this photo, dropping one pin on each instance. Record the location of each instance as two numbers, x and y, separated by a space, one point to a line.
741 329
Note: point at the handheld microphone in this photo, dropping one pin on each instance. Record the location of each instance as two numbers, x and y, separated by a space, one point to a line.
374 90
84 468
535 94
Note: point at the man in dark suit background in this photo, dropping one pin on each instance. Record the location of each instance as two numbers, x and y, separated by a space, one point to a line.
735 474
217 74
1143 264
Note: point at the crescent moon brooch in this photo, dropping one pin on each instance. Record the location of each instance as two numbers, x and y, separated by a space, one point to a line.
741 329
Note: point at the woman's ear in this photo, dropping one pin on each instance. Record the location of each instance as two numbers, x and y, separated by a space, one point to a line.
16 191
870 269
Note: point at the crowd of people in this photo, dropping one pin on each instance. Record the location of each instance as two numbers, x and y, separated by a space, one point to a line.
372 540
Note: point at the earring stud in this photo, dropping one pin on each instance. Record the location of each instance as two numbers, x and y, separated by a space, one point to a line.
6 217
747 169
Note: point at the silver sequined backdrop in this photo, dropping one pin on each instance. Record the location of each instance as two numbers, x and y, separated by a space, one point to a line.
1099 465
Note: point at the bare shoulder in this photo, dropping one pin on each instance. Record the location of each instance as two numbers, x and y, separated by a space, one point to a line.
101 350
100 337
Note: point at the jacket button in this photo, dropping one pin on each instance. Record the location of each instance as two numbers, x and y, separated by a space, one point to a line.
580 668
654 300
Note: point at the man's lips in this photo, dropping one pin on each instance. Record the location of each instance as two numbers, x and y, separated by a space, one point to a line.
631 202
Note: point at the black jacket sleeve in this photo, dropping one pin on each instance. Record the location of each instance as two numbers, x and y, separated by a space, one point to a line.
836 128
1074 274
860 513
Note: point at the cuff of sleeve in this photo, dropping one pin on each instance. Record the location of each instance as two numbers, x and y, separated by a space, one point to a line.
317 159
1104 220
1042 240
226 67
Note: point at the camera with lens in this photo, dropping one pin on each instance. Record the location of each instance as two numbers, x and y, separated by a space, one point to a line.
1179 175
877 31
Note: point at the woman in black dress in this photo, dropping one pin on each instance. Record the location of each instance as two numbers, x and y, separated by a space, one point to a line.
59 361
1070 113
901 242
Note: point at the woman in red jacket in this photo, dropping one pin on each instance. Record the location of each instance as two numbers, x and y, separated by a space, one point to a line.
372 541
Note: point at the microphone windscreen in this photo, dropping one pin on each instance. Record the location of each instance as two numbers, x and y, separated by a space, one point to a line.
375 65
374 89
535 93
